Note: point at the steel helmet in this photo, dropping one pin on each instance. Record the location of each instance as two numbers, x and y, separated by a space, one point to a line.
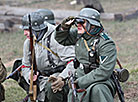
48 15
25 22
91 15
37 21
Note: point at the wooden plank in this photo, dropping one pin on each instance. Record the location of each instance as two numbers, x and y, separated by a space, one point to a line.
15 14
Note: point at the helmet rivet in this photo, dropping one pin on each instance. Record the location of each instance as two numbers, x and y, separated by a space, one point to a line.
35 23
93 17
46 17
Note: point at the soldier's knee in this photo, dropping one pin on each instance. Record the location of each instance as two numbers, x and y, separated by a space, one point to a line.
98 88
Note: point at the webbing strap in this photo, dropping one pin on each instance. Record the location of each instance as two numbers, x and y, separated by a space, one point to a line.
46 47
85 42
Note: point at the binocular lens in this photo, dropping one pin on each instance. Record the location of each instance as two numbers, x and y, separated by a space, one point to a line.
81 21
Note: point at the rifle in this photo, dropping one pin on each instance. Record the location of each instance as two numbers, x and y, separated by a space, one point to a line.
75 90
15 71
33 84
11 74
73 86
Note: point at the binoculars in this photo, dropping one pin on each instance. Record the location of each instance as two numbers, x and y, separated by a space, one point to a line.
122 74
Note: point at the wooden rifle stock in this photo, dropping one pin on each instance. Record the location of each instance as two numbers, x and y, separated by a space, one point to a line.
33 84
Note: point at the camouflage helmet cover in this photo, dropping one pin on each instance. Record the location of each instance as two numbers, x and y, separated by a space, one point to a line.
91 15
48 15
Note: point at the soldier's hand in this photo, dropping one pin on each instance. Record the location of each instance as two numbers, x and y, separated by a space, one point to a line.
35 76
58 84
52 79
67 22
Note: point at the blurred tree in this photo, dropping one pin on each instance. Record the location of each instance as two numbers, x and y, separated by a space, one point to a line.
95 4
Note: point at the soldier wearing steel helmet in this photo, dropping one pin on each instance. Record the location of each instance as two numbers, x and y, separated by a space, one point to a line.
95 56
47 61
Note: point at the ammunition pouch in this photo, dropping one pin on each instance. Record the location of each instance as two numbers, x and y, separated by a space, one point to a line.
76 63
88 68
51 71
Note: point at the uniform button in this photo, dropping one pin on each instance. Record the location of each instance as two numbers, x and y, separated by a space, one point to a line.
77 44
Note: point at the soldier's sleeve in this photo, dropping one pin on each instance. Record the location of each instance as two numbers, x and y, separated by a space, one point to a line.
65 37
107 56
26 60
26 53
3 72
66 54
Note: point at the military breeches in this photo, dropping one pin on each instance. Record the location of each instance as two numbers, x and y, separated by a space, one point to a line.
94 93
60 96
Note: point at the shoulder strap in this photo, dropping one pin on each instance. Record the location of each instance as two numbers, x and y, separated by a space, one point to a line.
104 36
47 48
92 52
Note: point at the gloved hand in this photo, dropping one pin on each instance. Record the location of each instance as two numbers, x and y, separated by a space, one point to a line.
67 22
56 83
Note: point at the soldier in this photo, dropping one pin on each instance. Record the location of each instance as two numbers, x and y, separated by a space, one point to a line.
95 56
48 17
47 62
3 74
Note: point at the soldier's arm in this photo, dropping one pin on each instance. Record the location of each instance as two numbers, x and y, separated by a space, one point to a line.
66 37
65 53
26 60
107 55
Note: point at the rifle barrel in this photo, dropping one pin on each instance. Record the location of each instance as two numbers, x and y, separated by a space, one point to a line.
11 74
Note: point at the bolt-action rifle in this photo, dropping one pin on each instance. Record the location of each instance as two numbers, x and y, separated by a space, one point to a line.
11 74
33 84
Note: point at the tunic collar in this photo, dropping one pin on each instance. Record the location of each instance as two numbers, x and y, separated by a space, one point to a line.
86 36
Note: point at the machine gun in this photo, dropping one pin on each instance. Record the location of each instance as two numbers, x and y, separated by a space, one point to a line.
33 84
